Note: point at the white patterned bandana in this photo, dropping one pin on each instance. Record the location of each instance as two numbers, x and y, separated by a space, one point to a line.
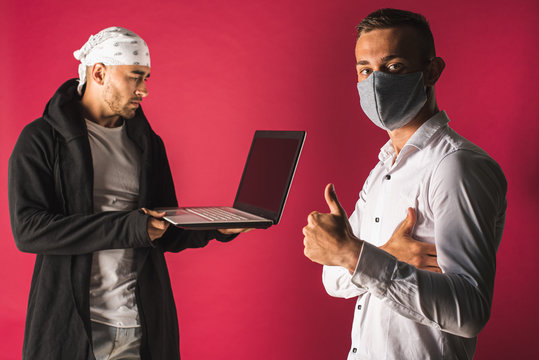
111 46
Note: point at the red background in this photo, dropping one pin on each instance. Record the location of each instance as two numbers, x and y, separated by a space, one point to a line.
222 69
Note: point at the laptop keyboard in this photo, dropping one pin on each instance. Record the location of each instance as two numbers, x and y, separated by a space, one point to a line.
216 214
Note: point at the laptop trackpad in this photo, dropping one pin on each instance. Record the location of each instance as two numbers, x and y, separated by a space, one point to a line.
182 216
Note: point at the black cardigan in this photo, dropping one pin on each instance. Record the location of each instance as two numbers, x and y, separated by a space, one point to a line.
50 186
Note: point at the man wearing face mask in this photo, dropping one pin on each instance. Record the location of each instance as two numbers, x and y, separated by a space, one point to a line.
448 190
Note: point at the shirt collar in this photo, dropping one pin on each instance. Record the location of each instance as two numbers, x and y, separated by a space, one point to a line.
387 151
425 132
419 139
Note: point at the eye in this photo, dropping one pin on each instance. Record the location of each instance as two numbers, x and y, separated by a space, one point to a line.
395 67
365 71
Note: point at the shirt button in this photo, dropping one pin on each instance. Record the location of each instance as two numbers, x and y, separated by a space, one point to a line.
377 219
388 177
354 350
359 307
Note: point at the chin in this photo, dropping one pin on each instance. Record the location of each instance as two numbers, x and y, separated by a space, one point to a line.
128 114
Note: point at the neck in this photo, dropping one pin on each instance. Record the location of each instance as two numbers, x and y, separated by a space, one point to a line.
94 111
399 137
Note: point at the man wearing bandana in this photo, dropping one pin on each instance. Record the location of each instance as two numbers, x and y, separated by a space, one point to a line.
449 191
82 179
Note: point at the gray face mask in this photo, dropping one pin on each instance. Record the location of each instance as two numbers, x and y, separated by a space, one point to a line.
392 100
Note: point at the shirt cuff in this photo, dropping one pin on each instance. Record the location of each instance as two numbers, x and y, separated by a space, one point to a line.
138 220
374 270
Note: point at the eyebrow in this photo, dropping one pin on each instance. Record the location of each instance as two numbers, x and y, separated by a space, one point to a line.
384 59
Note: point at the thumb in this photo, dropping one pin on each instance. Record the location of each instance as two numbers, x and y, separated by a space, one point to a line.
407 225
335 207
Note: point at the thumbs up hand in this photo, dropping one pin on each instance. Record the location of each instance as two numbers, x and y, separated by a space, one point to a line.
405 248
329 240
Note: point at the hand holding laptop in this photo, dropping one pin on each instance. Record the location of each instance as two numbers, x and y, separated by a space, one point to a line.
157 227
234 231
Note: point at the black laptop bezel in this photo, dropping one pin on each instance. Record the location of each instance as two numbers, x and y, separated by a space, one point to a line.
274 216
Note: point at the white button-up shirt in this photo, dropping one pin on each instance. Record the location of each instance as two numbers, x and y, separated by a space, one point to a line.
458 193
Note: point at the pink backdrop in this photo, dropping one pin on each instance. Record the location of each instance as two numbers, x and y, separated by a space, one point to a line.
222 69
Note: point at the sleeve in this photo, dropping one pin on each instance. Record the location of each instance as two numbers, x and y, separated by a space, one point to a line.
467 199
338 283
176 239
336 279
37 221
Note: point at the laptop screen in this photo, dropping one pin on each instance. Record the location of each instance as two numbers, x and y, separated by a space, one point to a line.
268 172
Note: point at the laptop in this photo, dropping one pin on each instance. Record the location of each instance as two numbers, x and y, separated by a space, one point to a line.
263 188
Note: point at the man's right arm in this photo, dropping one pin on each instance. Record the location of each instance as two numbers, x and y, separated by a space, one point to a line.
37 221
338 281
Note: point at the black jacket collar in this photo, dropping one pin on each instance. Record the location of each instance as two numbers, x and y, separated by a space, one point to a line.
64 113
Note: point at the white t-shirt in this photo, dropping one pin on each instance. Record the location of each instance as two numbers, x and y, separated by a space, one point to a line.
116 163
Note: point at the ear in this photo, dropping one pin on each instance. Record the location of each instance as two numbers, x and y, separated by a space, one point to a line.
97 73
435 69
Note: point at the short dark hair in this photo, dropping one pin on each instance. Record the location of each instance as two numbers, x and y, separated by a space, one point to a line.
390 18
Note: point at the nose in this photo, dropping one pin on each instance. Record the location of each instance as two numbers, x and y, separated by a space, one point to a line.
141 89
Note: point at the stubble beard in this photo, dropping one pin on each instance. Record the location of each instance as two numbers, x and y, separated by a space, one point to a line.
114 102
